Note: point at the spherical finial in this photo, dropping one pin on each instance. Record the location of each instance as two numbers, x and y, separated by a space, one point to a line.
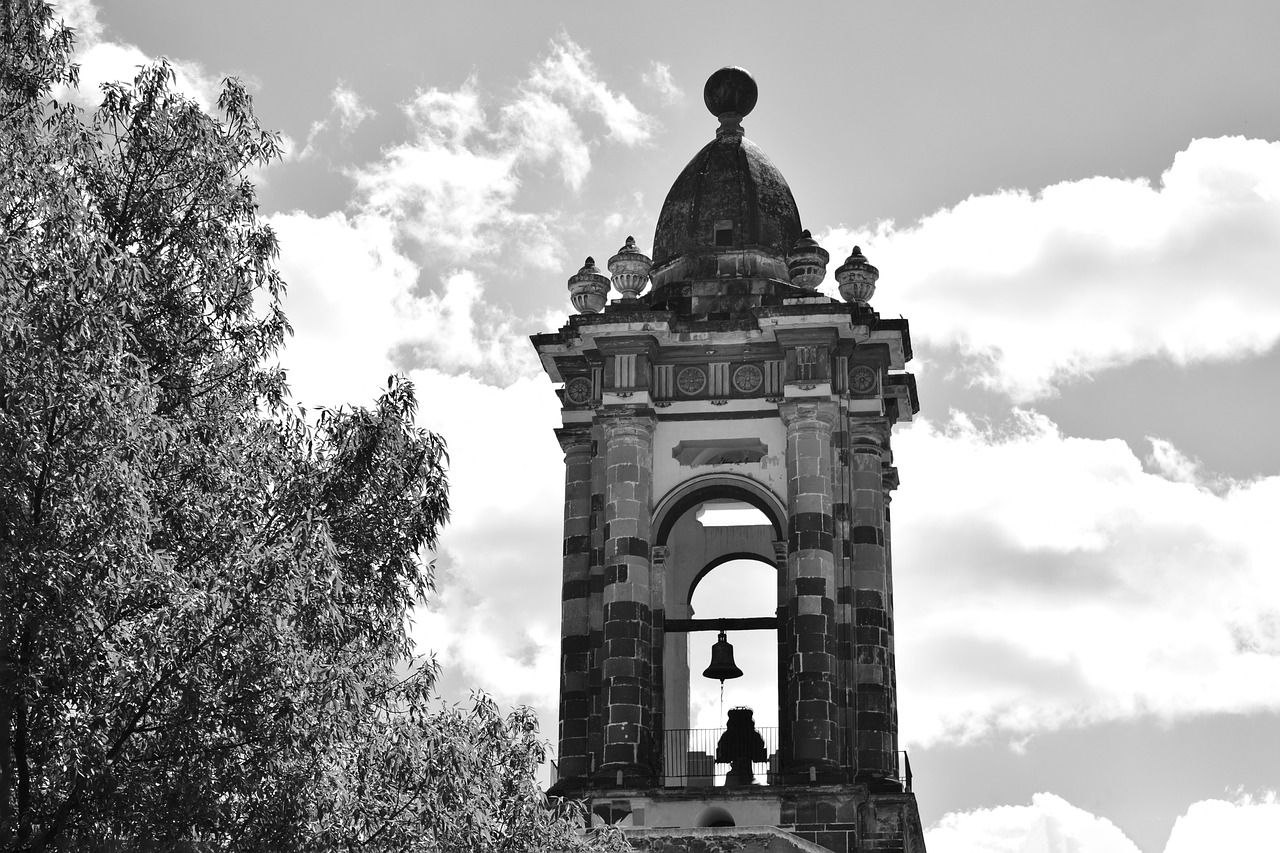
730 90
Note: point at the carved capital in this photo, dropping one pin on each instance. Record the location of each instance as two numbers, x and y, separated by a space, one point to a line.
627 426
869 433
800 415
574 439
890 481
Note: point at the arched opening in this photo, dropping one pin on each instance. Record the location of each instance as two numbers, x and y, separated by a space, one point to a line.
717 487
715 816
720 552
735 588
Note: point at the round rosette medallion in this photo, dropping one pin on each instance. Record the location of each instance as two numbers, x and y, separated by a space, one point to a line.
862 379
578 390
691 380
747 378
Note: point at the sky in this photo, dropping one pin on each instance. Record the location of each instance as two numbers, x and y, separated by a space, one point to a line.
1077 206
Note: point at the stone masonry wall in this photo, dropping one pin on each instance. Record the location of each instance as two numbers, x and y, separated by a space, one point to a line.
575 624
628 655
810 643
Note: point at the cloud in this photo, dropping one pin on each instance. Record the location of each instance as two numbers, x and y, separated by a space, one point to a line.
457 185
659 79
349 111
457 331
543 131
1173 464
1045 581
359 313
568 74
105 61
1048 825
1244 825
82 16
452 198
1042 288
495 620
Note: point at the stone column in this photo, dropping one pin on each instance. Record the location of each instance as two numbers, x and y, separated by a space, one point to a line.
780 550
810 646
889 483
658 650
627 668
574 756
876 738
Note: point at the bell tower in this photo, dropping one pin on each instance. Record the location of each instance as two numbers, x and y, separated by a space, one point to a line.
731 383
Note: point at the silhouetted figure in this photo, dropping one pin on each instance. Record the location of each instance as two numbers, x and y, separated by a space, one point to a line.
740 745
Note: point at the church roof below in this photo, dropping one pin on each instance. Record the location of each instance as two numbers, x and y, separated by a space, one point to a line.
730 197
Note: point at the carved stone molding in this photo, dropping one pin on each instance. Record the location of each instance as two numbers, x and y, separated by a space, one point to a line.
808 414
575 439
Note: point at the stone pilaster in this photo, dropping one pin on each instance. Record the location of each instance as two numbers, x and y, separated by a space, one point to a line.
890 482
780 551
875 733
595 604
658 614
843 547
574 755
810 646
627 668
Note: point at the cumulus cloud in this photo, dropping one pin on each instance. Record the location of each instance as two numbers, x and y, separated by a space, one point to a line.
349 111
543 131
459 332
1042 288
104 61
1246 824
568 74
1172 463
455 186
494 622
359 313
1048 825
659 79
82 16
1047 581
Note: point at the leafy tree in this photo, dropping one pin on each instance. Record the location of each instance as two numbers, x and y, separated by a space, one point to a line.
203 593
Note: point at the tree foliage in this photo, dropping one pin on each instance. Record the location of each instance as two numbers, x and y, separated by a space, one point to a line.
203 591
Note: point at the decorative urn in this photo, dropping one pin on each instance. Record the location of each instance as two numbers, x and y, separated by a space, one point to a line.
588 288
807 263
857 278
630 270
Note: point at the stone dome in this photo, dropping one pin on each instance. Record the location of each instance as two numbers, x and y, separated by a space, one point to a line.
730 197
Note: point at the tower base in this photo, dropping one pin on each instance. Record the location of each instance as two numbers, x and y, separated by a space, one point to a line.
844 818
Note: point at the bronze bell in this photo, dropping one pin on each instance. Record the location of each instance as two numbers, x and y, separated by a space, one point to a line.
722 665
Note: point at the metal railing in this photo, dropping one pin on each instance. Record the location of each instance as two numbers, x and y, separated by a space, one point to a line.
689 758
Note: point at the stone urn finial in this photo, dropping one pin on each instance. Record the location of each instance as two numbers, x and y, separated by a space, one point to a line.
630 269
807 263
857 278
588 288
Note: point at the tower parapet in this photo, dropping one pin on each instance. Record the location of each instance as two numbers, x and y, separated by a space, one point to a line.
732 380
